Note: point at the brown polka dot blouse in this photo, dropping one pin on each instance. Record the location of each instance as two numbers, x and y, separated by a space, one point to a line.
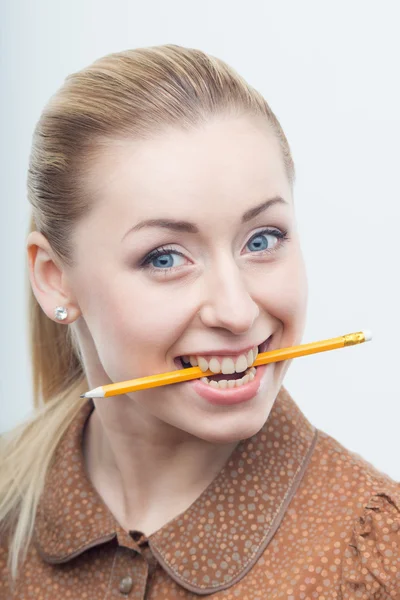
292 515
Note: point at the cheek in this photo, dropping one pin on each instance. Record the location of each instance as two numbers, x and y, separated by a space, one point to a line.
285 294
293 294
134 323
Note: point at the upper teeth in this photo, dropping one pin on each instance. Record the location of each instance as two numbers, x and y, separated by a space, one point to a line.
224 364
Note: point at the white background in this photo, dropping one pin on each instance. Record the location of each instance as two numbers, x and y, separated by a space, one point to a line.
330 72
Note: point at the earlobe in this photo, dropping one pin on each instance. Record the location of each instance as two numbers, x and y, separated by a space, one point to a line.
47 281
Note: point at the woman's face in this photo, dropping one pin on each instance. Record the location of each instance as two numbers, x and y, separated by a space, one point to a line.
223 279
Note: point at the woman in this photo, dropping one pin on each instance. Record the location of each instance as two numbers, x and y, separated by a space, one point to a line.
163 234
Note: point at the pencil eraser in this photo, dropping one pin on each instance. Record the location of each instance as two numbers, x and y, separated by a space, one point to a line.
367 335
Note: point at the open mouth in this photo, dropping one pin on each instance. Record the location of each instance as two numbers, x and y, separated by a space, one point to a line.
242 375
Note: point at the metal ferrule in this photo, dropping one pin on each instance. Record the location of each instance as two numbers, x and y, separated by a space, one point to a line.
354 338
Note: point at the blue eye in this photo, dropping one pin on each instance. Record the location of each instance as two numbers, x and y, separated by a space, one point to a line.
261 242
164 261
161 259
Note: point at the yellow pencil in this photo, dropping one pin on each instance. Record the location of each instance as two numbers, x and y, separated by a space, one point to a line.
144 383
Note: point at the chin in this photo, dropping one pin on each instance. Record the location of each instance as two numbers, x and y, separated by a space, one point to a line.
230 428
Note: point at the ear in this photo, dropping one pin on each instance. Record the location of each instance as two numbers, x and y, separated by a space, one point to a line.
48 279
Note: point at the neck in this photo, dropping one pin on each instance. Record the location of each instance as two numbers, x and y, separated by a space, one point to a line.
147 479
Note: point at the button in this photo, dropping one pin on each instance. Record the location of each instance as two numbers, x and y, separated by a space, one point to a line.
125 585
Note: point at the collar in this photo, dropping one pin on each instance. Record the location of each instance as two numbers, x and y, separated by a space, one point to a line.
225 530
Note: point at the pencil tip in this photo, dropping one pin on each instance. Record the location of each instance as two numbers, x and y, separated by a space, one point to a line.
82 396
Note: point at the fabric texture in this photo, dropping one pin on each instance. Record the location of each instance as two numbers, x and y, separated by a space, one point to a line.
292 515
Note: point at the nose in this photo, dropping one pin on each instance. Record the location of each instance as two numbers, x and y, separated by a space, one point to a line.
228 303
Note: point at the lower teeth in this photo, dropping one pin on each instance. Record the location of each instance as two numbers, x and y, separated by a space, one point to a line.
222 384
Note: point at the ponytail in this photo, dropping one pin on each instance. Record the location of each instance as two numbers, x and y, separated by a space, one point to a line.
27 451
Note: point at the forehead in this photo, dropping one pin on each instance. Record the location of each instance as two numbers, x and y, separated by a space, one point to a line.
227 162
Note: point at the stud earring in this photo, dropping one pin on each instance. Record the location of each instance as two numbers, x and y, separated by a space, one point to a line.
60 313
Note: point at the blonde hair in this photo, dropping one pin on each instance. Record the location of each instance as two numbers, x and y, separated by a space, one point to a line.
132 94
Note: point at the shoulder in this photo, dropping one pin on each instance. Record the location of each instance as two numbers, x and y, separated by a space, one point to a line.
4 571
371 556
336 462
10 586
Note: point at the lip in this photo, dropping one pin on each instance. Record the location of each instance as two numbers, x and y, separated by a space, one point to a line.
228 396
224 352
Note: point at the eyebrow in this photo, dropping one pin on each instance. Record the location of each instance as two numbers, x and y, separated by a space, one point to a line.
187 227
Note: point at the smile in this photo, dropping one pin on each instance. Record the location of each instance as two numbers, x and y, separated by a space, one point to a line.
230 371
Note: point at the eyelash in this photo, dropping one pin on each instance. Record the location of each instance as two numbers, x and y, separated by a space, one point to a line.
145 264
